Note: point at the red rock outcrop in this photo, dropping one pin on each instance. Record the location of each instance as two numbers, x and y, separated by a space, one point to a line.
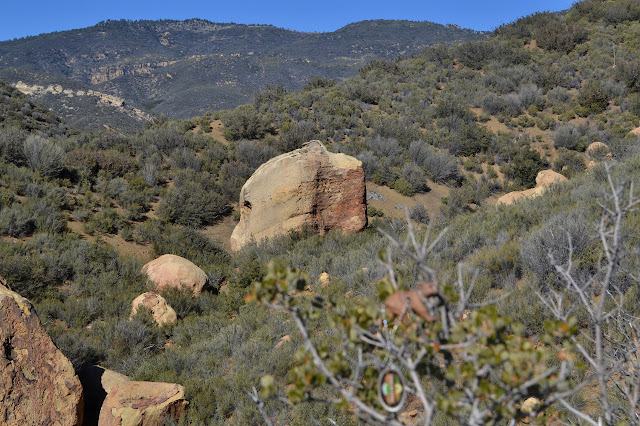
38 384
171 271
309 187
142 403
161 312
398 304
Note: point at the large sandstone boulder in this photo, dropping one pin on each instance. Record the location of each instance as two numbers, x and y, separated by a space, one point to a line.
544 179
548 177
309 187
133 403
160 310
38 385
171 271
97 382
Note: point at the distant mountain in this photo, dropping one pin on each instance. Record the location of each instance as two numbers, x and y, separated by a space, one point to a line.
118 72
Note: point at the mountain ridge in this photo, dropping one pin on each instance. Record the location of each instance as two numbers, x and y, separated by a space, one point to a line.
185 68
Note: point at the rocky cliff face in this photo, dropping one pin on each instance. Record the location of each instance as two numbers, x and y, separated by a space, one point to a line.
38 384
308 187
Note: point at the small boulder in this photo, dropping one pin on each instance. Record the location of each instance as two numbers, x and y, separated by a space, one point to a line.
134 403
306 188
636 131
161 312
38 384
514 196
324 279
171 271
548 177
529 404
597 150
544 179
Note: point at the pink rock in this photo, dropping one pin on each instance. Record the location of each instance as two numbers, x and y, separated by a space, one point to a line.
171 271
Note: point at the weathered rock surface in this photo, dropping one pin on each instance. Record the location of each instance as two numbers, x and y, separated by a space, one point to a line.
544 179
134 403
597 149
97 382
324 279
38 384
160 310
548 177
309 187
171 271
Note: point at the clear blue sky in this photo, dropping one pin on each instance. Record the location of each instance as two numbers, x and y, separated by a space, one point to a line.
32 17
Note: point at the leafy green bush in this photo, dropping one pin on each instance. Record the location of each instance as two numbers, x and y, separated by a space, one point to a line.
302 132
593 97
522 166
245 122
569 162
192 205
475 54
112 163
560 36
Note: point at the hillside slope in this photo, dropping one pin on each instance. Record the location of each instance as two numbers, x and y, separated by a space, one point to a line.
185 68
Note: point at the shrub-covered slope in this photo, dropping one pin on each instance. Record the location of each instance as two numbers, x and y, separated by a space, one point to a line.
456 126
185 68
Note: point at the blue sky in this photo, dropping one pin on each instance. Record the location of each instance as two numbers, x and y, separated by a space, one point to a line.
18 19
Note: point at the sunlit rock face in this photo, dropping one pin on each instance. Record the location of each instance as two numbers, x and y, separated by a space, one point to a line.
306 188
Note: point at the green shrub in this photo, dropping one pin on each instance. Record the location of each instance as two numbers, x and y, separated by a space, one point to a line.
108 221
569 162
567 136
593 97
245 122
192 205
439 165
403 187
374 212
522 166
112 163
560 36
43 156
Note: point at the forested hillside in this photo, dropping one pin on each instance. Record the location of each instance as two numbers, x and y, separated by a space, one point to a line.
445 132
186 68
